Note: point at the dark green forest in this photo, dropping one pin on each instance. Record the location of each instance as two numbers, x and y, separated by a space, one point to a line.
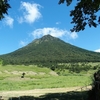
49 49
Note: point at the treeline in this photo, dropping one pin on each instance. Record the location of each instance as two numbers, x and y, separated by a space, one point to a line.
40 59
28 60
61 68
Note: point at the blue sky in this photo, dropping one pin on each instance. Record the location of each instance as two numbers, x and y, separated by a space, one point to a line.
31 19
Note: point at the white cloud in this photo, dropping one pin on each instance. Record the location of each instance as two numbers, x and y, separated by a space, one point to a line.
30 12
9 21
73 35
98 50
57 23
56 32
23 43
20 19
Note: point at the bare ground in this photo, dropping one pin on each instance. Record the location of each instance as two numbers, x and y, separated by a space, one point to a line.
38 92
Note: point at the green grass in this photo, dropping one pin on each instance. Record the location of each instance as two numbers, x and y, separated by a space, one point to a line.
23 68
36 77
48 82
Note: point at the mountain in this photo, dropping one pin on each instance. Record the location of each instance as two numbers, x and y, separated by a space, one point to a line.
49 49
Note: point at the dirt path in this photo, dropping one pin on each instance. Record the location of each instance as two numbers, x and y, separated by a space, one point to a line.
38 92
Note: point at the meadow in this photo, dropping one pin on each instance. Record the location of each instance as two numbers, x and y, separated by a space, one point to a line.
42 77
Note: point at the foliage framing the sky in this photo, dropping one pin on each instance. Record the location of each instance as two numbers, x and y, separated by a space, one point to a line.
4 6
84 13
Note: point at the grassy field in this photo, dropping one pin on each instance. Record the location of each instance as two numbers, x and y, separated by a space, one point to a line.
39 78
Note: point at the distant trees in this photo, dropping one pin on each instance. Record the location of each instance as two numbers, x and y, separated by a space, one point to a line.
84 13
1 62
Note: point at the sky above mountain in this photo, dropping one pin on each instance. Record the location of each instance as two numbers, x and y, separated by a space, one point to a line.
31 19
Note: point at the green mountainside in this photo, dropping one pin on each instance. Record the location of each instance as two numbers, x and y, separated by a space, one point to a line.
49 49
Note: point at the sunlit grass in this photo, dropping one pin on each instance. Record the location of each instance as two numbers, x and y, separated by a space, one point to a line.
36 77
46 82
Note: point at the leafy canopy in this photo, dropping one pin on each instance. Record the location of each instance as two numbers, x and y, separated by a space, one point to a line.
84 13
4 6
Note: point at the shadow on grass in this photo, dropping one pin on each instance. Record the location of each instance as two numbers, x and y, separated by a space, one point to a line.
56 96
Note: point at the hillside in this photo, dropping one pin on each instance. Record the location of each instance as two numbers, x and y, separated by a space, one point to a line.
49 49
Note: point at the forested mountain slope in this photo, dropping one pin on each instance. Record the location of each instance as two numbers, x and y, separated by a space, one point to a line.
49 49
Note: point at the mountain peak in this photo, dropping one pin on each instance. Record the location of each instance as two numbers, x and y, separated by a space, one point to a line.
45 38
48 37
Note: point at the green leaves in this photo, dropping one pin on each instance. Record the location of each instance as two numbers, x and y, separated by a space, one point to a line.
68 2
84 13
4 6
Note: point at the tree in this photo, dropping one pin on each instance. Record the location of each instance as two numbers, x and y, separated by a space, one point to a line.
94 93
4 6
84 13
